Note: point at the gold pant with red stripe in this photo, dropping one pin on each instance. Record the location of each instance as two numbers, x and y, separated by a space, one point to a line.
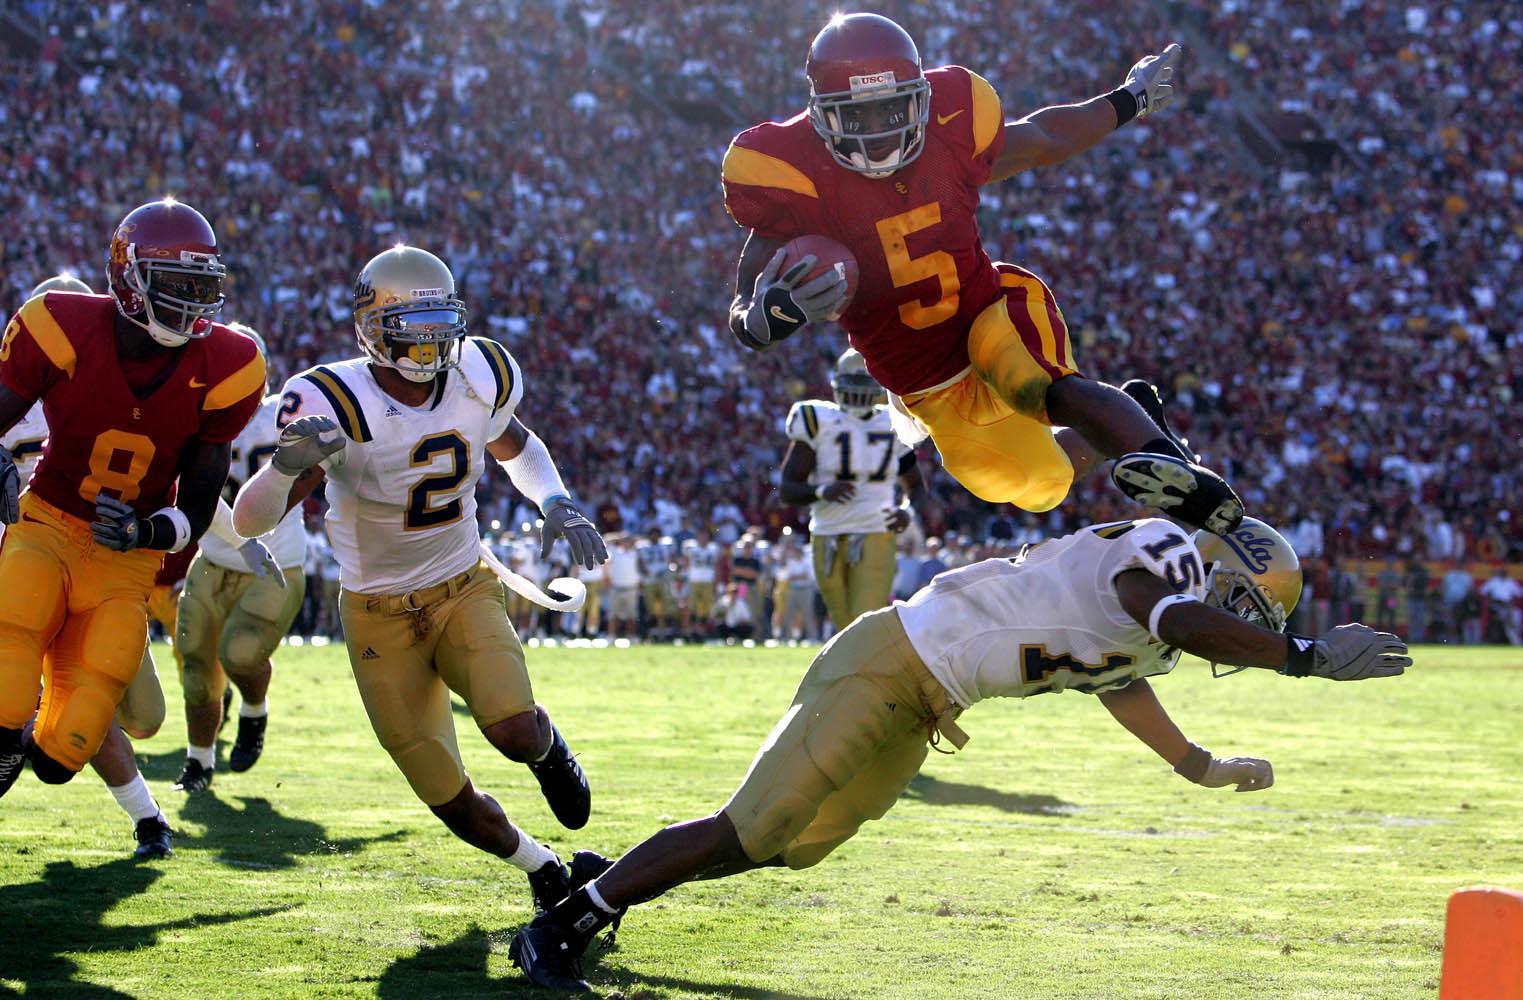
990 423
73 614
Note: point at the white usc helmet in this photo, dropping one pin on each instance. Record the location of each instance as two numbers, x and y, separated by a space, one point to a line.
1253 572
406 315
856 391
63 282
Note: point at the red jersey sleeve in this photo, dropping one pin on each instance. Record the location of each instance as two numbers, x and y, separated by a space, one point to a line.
763 190
966 110
234 394
35 353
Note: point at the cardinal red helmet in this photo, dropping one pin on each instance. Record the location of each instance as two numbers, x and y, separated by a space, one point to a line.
164 272
868 98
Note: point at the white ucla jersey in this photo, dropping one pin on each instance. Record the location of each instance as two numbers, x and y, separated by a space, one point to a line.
250 450
25 440
864 451
702 560
655 558
1050 620
402 491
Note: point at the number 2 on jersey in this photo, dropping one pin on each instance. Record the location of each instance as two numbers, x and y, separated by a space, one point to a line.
421 512
907 270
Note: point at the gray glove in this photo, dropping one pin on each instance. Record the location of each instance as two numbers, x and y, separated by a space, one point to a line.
305 442
1249 774
1148 81
780 306
10 488
116 525
259 560
1347 653
563 520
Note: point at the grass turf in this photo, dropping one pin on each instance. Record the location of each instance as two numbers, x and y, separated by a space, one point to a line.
1054 858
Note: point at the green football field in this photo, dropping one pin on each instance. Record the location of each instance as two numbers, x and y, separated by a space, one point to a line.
1053 858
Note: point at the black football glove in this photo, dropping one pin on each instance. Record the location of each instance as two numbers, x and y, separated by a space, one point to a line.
563 520
781 307
116 525
1185 491
10 488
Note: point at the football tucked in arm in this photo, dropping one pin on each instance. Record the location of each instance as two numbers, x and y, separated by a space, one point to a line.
828 255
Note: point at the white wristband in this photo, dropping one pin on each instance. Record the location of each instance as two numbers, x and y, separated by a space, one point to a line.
176 517
533 472
1162 606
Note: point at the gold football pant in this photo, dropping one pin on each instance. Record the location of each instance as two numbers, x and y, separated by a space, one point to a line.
991 424
73 614
409 651
700 601
851 590
854 737
230 620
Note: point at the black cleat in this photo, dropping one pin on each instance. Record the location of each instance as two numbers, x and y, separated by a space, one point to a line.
563 783
227 707
549 885
11 763
1146 396
153 839
193 777
547 959
249 744
585 867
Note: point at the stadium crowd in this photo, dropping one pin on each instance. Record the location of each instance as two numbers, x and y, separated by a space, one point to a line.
1342 340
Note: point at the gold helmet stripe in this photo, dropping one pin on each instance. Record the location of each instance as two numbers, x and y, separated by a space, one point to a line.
346 405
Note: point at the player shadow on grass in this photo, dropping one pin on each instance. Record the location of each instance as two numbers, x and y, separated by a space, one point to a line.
64 913
936 792
457 970
258 836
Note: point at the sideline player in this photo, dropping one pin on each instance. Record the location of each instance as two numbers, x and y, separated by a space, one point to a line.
1097 611
889 160
234 613
419 412
700 556
142 392
844 460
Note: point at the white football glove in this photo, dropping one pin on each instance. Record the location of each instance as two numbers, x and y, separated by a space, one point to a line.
1148 81
305 442
259 560
1249 774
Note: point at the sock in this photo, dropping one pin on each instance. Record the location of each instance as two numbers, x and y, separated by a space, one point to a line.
250 711
579 918
135 799
598 900
531 855
205 756
551 747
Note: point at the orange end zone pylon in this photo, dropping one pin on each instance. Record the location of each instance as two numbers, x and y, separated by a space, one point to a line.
1483 946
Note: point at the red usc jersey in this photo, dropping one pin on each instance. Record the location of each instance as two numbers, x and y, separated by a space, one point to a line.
102 437
924 272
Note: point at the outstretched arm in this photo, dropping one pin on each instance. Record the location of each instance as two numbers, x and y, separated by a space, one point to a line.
1137 708
1054 134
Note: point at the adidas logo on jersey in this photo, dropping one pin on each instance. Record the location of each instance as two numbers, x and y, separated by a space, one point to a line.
392 411
370 654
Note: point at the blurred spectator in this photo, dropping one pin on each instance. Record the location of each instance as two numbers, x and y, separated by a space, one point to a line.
1502 594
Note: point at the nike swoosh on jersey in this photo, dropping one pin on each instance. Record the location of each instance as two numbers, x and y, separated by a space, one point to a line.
943 119
778 312
196 383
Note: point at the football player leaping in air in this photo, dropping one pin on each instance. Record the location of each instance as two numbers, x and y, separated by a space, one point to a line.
844 460
142 393
888 160
1097 611
402 435
233 614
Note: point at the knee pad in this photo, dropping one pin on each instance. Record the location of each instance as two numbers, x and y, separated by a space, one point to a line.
48 770
246 645
778 819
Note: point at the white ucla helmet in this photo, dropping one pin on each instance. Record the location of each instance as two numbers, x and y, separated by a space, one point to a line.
1253 572
406 315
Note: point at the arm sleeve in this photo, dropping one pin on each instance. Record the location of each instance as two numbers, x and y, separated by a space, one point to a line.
27 367
803 424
